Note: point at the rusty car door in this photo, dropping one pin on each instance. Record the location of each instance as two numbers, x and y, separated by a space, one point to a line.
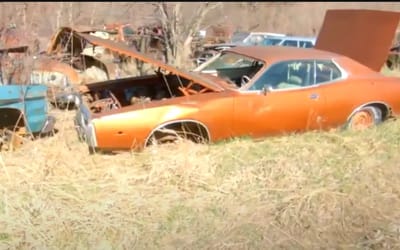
258 113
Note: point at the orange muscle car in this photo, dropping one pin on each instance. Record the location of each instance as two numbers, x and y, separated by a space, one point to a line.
249 91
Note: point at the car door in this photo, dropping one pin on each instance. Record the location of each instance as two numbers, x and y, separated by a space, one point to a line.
257 114
334 89
282 100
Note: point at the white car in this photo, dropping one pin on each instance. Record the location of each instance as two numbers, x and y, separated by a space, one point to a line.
291 41
252 38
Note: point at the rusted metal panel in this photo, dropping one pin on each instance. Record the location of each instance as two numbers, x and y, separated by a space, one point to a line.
56 41
14 49
50 65
130 52
363 35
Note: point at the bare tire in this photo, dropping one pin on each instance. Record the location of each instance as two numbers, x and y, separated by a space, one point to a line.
364 118
171 136
167 136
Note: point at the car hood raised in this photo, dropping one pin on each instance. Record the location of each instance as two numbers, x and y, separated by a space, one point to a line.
133 53
63 34
363 35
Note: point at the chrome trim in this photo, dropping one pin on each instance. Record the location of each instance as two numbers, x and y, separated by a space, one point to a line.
176 121
84 126
48 125
92 140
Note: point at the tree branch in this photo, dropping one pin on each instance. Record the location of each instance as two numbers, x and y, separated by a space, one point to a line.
201 13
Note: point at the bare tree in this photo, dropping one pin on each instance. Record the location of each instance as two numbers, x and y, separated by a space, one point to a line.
24 14
179 29
93 14
71 14
59 15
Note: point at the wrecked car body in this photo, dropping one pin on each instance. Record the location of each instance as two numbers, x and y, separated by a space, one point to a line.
244 91
72 60
23 112
23 107
65 66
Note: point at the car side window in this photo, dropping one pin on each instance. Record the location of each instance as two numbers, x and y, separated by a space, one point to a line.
290 43
297 74
306 44
287 75
271 41
326 71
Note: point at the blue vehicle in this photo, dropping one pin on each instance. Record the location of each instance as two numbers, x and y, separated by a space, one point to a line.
23 111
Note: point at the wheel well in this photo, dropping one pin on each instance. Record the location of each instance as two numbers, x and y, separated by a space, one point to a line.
386 111
11 118
190 130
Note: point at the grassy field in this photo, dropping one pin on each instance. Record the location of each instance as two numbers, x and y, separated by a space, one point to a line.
318 190
330 190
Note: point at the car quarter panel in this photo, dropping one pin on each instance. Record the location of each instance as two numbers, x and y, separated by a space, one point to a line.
129 129
389 89
363 91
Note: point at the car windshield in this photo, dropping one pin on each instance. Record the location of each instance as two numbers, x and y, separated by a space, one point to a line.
230 60
238 37
234 68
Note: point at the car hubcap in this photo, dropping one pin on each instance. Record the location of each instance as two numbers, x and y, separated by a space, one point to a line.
362 120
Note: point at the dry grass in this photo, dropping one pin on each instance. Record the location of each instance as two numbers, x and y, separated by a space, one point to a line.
316 190
312 191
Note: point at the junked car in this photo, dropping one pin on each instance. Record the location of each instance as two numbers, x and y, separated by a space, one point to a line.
23 112
23 107
270 40
238 39
68 62
291 41
248 91
252 38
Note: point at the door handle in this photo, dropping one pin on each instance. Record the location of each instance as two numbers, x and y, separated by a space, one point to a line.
314 96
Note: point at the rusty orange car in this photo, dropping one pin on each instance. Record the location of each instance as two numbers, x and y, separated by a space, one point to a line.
248 91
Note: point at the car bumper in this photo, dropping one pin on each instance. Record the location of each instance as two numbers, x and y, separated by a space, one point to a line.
84 126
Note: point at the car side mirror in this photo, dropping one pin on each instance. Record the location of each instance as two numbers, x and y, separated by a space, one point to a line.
266 89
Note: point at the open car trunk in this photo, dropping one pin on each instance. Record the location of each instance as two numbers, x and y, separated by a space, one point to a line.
351 33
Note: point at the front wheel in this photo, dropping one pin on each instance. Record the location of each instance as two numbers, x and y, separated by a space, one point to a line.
364 118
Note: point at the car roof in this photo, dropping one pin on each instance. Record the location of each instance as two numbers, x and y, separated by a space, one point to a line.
301 38
248 33
269 53
268 34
